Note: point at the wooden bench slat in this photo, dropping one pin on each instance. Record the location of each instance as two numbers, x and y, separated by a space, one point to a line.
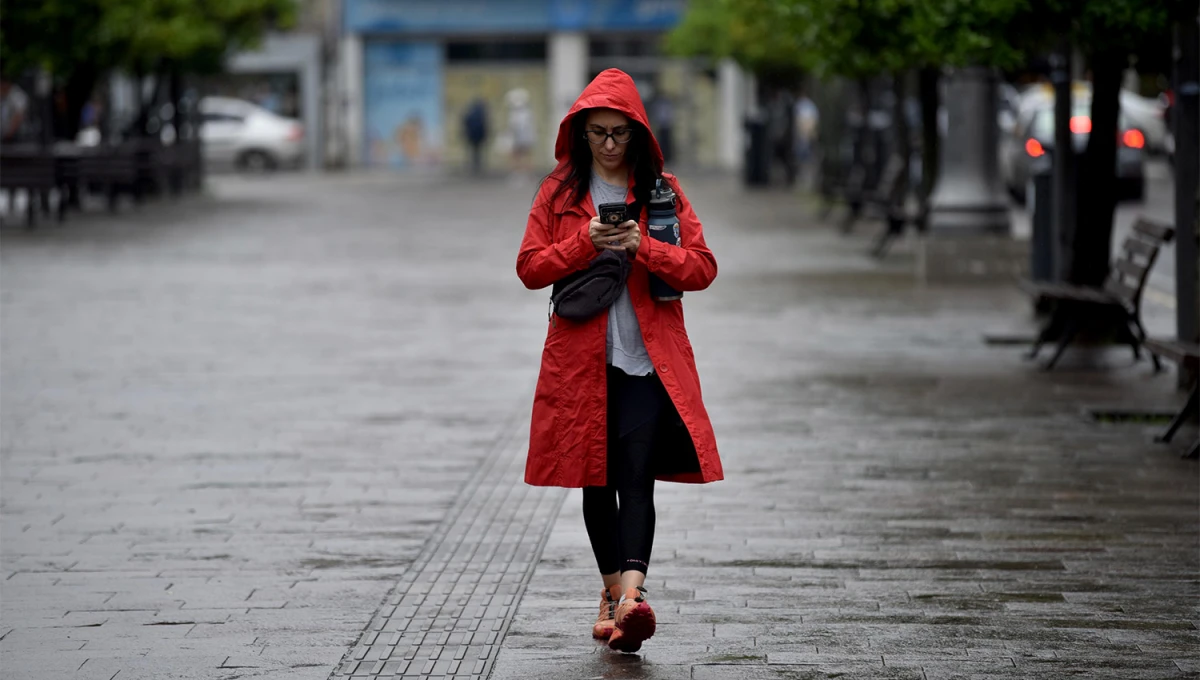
1186 354
1122 291
1154 229
1069 293
1140 247
1131 269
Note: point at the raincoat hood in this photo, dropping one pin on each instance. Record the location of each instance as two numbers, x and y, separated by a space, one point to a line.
612 89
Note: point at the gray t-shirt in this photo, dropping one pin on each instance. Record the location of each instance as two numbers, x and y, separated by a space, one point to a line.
624 348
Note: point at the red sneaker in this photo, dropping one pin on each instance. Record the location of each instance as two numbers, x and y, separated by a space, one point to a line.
606 621
635 622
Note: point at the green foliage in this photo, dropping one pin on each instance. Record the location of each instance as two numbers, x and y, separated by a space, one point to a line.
66 36
856 38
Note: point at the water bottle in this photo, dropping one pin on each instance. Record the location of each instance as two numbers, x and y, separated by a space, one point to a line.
663 225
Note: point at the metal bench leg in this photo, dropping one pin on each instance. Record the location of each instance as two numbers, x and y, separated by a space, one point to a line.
1070 330
1141 338
1189 410
1043 335
1131 338
30 209
1194 452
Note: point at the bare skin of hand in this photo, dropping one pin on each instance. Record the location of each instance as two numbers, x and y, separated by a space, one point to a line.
620 237
631 240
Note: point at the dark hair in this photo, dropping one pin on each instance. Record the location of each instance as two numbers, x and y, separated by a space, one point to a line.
576 172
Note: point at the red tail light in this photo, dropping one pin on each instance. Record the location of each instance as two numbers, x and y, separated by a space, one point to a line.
1134 139
296 133
1034 148
1081 125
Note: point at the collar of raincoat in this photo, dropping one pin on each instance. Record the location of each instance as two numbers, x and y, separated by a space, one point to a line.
612 89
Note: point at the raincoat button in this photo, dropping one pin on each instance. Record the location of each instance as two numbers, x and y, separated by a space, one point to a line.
662 369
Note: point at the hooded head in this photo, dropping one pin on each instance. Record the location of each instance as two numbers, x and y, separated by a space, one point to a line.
612 89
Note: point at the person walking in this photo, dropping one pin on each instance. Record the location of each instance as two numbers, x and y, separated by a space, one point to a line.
521 131
475 130
617 404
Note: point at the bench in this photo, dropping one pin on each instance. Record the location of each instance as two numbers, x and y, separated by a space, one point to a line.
1115 306
31 169
110 168
1187 356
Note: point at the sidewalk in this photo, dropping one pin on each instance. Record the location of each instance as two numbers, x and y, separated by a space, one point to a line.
901 501
278 433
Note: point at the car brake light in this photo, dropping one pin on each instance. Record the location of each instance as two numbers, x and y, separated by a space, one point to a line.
1081 125
1034 148
296 133
1134 139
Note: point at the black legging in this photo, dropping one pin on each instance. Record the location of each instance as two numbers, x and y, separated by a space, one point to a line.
623 536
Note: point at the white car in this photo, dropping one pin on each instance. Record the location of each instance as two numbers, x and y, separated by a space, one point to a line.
246 135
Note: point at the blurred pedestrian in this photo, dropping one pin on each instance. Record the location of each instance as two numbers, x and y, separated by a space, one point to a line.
14 107
618 401
475 130
781 130
662 120
807 119
521 130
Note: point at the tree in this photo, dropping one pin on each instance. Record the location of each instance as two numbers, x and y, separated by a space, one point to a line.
79 41
859 38
1108 33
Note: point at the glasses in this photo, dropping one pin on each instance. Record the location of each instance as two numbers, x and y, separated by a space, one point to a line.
599 137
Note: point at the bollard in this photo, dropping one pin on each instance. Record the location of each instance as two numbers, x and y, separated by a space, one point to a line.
1040 198
757 162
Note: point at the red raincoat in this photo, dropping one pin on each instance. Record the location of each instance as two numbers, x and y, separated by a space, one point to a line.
568 437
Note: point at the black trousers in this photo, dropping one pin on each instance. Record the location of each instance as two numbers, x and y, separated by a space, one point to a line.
620 515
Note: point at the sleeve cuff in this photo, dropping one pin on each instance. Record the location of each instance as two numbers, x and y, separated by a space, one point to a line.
643 252
584 249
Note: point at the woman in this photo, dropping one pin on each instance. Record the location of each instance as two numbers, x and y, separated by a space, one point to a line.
617 403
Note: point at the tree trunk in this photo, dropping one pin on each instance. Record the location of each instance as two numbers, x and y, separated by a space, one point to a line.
1065 188
69 98
901 148
1185 122
146 106
930 138
857 180
1096 192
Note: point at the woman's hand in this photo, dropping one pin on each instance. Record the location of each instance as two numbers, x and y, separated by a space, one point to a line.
613 236
631 239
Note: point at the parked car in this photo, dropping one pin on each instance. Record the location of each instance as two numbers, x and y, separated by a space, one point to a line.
1148 114
241 133
1032 136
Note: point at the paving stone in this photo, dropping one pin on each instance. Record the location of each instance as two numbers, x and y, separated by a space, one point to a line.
237 431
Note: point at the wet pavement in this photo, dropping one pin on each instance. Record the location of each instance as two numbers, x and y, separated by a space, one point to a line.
277 432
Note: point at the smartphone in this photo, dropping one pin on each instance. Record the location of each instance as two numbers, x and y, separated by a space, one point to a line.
612 213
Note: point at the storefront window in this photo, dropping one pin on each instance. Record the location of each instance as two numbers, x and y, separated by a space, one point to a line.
494 51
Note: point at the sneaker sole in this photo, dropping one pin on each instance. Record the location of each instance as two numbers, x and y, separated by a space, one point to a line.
637 626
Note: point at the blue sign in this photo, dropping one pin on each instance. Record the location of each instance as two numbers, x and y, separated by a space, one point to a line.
508 16
403 103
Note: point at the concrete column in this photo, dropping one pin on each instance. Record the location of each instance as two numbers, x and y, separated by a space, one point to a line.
567 57
732 105
314 118
969 234
351 58
968 196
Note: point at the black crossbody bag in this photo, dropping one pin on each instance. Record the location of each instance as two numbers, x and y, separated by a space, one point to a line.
586 293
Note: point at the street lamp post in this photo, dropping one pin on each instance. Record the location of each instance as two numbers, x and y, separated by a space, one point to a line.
969 224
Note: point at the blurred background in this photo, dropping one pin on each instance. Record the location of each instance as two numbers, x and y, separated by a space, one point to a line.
919 114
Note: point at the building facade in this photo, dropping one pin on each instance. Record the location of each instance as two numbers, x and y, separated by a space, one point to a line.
408 69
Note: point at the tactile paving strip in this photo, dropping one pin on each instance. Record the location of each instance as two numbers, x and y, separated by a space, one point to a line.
449 613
